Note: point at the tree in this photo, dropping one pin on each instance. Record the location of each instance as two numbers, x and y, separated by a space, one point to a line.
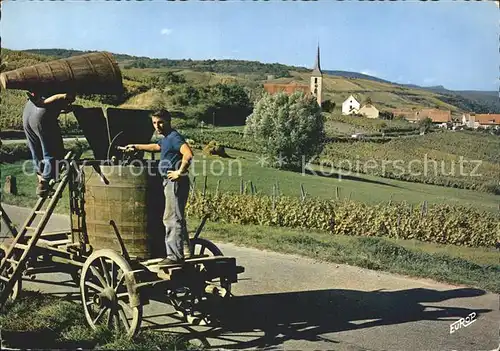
328 106
386 115
287 128
368 101
229 104
425 124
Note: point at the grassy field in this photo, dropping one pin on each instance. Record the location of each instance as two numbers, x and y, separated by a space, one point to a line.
363 188
37 321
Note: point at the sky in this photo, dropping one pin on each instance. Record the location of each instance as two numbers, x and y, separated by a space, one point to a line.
449 43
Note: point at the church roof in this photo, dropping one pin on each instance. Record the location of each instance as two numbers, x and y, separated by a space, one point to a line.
317 66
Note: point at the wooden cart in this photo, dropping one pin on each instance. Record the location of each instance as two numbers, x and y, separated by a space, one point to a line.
114 286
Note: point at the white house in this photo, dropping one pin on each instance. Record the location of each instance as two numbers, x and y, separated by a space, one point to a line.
481 120
369 111
350 106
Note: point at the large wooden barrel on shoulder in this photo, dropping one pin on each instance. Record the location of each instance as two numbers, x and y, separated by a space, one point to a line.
123 205
94 73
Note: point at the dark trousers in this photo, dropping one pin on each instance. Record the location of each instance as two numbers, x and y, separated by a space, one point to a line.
44 139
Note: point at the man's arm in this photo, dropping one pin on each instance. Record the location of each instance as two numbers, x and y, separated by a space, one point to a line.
187 156
59 97
144 147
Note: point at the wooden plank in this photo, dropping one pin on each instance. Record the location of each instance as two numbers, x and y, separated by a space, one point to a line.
45 243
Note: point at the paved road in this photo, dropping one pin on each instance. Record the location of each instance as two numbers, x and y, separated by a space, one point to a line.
295 303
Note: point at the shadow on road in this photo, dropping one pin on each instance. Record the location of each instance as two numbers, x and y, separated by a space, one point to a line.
310 314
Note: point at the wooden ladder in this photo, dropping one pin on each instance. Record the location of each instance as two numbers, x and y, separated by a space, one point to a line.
18 251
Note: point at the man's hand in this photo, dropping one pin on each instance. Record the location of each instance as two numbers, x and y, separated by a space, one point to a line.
174 175
130 148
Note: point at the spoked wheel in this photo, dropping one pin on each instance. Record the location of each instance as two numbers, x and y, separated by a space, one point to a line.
16 289
201 247
106 298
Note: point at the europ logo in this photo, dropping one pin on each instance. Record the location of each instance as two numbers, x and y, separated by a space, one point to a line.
463 322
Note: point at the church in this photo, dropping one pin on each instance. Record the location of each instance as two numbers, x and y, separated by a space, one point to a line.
315 87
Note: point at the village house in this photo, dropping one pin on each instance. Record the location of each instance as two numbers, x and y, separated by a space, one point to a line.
438 116
315 86
481 120
289 87
350 106
369 111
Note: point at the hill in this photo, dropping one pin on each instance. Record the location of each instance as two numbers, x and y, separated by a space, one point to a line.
139 71
388 94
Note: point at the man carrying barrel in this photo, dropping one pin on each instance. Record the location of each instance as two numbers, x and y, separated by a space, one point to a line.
43 134
176 156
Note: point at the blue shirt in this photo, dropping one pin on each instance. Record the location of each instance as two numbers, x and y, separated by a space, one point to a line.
170 154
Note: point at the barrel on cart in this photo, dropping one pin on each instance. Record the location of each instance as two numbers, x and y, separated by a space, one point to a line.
116 239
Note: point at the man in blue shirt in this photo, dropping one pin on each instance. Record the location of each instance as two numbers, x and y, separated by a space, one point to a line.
176 156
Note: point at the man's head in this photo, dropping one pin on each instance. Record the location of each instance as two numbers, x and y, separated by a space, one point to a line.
161 120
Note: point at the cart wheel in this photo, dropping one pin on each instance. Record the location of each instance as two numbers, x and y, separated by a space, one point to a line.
200 246
16 289
105 296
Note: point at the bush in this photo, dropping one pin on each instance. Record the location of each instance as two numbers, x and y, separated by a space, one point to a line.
287 128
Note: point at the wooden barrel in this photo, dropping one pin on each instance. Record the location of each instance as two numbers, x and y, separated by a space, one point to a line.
95 73
125 204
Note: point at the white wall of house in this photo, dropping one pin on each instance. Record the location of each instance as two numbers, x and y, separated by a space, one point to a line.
350 106
469 121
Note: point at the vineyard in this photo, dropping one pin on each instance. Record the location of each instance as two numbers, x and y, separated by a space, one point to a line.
454 159
444 224
375 125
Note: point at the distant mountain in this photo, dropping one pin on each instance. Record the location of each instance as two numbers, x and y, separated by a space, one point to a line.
347 74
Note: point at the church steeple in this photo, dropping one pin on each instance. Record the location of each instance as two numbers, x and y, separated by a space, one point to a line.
317 80
317 66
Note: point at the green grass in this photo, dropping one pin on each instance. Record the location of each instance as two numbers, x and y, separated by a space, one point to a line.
456 265
243 166
46 322
363 188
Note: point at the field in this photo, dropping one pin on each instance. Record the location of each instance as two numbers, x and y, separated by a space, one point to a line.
243 167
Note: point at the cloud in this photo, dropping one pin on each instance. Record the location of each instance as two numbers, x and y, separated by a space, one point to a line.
166 31
369 72
429 80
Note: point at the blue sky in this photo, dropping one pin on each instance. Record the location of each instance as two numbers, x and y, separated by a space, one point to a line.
455 44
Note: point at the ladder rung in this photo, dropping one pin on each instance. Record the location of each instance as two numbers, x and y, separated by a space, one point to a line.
40 212
21 246
31 228
4 278
12 261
